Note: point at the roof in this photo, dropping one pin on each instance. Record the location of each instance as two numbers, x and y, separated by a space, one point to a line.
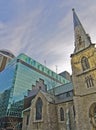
26 110
62 88
76 20
49 97
68 99
54 99
80 34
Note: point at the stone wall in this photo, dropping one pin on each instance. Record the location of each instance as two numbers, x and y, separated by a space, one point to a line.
50 115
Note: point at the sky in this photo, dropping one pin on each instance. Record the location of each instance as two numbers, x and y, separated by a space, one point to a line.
43 29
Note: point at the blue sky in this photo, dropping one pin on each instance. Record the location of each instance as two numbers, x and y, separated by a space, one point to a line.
43 29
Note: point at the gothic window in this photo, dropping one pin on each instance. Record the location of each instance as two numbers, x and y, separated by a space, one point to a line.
86 81
74 110
27 121
89 81
61 114
95 113
39 105
85 63
92 115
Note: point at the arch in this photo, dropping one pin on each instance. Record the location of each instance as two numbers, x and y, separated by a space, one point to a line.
39 105
61 114
85 63
27 120
92 114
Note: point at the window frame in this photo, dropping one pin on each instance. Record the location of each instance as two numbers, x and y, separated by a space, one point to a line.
39 107
62 114
89 81
85 63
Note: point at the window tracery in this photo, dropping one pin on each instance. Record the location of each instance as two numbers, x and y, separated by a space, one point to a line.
89 81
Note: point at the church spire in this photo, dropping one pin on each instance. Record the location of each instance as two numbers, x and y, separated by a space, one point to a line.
82 40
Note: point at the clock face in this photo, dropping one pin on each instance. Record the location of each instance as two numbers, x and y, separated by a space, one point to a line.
1 59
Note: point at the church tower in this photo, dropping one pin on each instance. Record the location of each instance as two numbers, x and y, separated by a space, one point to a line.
83 62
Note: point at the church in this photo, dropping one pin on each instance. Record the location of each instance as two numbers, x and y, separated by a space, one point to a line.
71 106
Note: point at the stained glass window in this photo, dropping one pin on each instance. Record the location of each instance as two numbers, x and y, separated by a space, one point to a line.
39 105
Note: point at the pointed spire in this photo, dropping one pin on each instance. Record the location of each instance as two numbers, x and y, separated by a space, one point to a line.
76 20
81 38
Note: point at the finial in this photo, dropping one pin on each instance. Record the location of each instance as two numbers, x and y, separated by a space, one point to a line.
73 9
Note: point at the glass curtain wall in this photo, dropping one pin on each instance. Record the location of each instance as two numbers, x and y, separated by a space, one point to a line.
18 77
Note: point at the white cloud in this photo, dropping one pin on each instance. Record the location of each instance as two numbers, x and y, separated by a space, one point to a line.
2 26
28 31
16 37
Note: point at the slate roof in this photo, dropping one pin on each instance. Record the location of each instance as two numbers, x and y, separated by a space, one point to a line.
62 88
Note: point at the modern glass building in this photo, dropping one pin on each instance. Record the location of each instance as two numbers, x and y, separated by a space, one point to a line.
18 77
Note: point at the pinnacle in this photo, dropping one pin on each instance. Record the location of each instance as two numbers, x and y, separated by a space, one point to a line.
73 9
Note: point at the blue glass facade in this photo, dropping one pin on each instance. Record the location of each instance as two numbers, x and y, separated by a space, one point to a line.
18 77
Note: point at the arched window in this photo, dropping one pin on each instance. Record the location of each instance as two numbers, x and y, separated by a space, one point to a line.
74 111
39 105
92 115
61 114
85 63
89 81
95 114
27 121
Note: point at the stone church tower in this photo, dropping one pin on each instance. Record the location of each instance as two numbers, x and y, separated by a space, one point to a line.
83 61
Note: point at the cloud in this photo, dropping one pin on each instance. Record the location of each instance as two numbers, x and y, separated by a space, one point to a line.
2 26
27 37
44 31
16 37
